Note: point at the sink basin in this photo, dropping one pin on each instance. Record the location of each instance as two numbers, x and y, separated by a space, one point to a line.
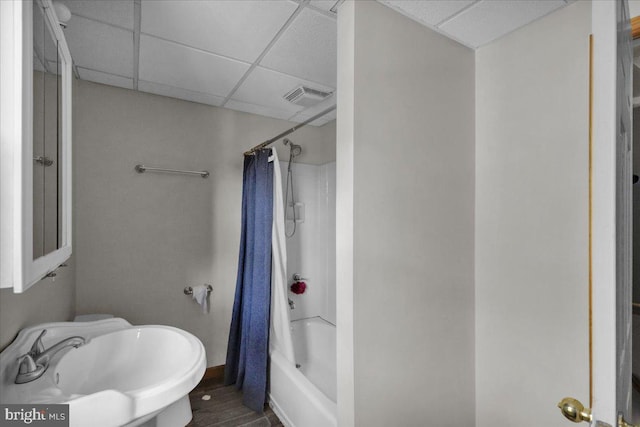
123 375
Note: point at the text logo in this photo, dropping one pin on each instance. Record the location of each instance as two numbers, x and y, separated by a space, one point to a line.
34 415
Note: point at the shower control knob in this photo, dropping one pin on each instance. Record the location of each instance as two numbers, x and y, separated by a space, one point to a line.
298 277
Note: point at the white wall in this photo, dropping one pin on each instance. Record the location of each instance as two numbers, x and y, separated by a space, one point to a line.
329 172
140 239
531 220
50 300
634 8
311 250
407 139
345 133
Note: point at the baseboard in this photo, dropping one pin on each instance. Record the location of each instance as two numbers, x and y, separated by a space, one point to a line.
213 373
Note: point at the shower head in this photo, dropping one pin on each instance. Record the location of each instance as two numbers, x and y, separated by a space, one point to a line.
295 149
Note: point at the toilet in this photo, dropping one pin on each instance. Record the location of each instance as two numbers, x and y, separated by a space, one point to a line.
92 317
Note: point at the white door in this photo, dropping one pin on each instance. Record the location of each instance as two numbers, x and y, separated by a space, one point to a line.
611 207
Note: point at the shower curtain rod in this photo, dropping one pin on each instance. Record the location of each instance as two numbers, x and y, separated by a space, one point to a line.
288 131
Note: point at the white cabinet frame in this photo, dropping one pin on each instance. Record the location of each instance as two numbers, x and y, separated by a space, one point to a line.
18 269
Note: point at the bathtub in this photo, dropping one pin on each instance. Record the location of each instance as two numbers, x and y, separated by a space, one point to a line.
306 396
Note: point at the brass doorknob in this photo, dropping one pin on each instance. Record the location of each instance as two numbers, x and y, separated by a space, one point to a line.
574 411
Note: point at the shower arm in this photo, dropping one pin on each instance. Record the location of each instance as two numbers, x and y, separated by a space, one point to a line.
288 131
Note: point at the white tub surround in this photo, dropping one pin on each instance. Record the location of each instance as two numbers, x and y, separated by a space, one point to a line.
306 396
311 251
315 347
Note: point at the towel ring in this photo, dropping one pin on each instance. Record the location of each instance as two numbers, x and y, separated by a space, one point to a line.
189 290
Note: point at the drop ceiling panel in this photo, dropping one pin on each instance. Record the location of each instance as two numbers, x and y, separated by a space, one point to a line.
267 88
174 92
237 29
114 12
428 12
301 117
307 49
325 5
105 78
183 67
257 109
485 21
204 48
100 46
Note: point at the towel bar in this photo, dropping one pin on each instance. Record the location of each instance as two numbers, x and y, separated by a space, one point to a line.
143 169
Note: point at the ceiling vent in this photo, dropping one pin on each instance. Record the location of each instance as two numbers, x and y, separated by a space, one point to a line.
306 96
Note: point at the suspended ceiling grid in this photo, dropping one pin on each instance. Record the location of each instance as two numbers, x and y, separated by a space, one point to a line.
245 55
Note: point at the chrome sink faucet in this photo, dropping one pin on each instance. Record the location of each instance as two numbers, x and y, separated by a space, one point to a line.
35 363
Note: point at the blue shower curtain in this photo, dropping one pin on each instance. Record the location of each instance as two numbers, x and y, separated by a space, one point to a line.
249 334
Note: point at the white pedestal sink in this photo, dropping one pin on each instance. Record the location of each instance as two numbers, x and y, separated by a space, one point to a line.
123 376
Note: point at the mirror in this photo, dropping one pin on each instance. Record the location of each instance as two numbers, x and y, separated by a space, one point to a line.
35 118
46 135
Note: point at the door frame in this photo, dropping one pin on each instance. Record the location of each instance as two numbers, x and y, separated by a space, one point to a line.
603 213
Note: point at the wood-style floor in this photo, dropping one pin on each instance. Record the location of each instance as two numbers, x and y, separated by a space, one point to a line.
225 408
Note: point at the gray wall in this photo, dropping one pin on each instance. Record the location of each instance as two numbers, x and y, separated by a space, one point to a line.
532 220
140 239
50 300
413 237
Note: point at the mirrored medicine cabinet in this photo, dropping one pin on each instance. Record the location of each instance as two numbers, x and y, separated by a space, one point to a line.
35 124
